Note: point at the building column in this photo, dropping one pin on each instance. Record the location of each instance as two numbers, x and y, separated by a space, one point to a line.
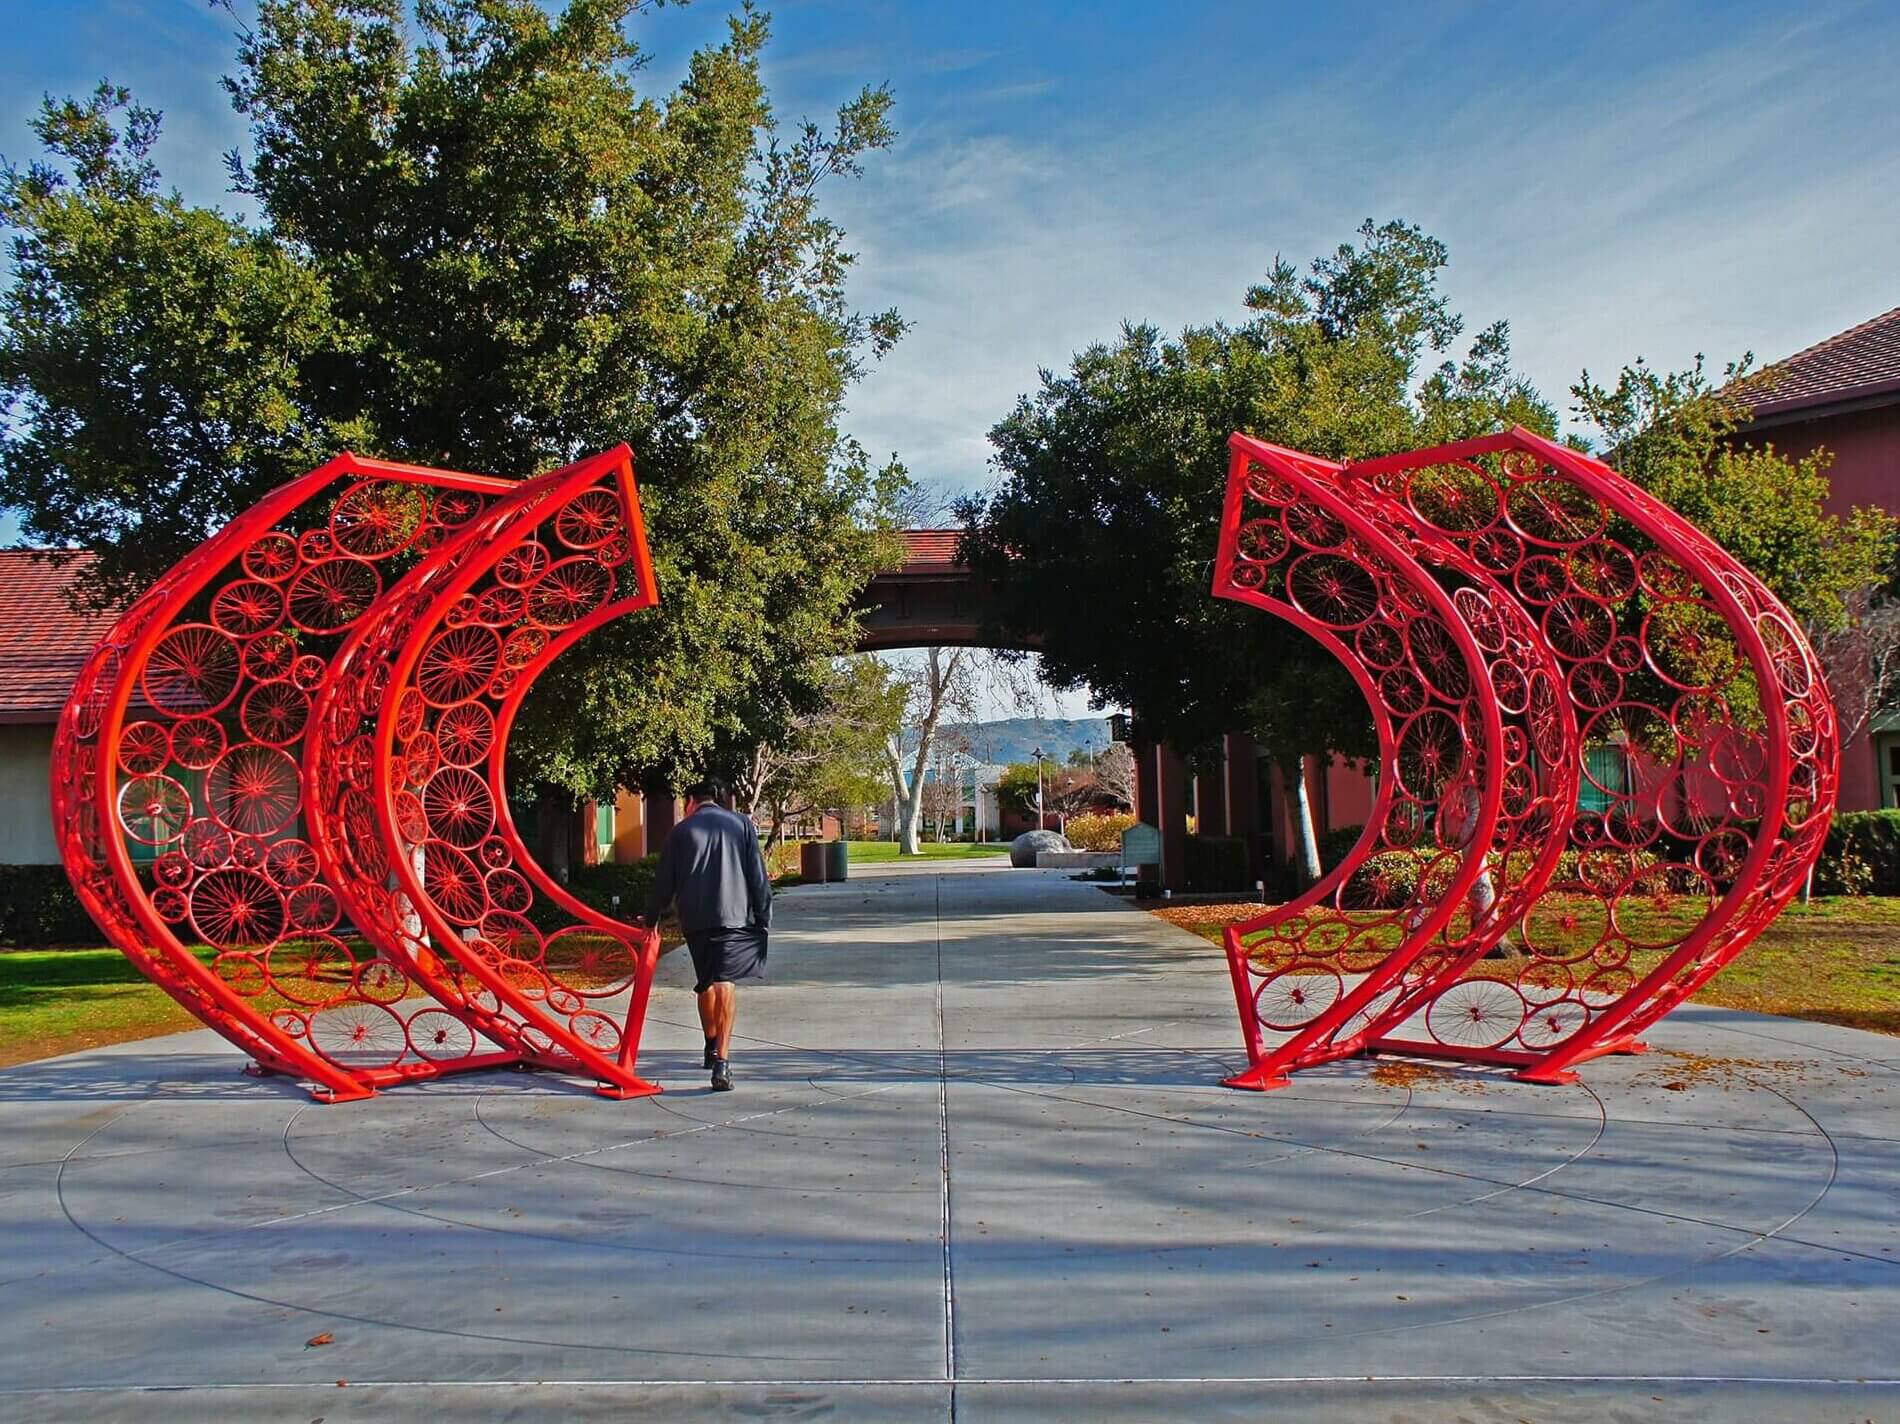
580 836
630 835
1240 763
590 833
662 812
1210 800
1147 808
1171 784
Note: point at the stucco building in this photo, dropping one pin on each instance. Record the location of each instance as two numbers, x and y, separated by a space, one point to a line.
43 644
1843 394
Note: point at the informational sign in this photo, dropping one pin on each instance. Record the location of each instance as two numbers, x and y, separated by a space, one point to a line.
1141 845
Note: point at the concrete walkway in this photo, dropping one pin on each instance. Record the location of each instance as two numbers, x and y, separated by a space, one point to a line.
979 1168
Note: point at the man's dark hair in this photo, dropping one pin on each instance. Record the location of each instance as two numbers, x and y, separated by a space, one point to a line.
706 789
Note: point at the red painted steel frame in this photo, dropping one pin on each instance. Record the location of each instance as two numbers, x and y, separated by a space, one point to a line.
228 763
426 853
1704 704
1521 620
178 798
1468 792
1542 782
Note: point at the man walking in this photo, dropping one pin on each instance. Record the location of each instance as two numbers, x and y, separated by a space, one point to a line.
711 864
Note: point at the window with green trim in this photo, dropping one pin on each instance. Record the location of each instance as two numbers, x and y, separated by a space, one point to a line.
1606 776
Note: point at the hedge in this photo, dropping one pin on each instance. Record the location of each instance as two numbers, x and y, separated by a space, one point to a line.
1862 855
38 908
1097 832
596 886
1217 863
1334 844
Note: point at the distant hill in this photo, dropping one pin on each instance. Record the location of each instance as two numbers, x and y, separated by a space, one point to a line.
1012 739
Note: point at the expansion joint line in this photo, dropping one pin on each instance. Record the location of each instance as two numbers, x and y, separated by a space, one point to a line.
943 1167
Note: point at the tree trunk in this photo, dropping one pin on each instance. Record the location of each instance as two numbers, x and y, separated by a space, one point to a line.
911 811
1305 843
751 789
907 800
936 689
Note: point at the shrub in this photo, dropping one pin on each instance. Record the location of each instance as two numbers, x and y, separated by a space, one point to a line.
1217 863
1098 832
781 861
596 886
1334 844
38 907
1862 855
1396 872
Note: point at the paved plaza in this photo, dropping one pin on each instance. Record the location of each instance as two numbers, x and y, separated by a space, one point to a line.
979 1168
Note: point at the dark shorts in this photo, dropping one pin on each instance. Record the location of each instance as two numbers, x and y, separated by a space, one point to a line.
726 954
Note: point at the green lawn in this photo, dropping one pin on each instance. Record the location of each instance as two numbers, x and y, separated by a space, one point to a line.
55 1001
871 852
62 1000
1836 960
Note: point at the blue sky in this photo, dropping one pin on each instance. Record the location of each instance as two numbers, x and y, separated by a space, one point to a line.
1617 180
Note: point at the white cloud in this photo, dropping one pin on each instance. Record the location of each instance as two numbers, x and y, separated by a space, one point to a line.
1620 192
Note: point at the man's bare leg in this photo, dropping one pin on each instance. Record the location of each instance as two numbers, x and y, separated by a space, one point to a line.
717 1006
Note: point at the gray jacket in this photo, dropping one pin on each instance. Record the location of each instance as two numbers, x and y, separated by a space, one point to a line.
711 864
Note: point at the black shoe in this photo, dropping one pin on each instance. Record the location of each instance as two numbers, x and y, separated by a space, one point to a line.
722 1076
712 1053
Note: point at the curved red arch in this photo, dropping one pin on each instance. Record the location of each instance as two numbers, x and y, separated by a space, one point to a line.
1364 949
177 792
387 633
426 693
1658 635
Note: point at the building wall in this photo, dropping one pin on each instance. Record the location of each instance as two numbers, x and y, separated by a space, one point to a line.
1866 448
26 818
630 827
1866 471
1341 795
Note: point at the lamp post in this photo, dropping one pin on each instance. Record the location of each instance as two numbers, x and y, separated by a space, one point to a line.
1040 824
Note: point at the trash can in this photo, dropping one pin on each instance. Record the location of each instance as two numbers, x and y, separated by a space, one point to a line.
811 862
837 860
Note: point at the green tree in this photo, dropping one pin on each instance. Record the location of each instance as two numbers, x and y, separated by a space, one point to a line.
1101 535
1685 440
1304 715
833 757
482 245
1017 788
152 354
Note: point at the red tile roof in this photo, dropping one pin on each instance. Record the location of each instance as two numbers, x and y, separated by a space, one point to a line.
43 643
931 548
1861 362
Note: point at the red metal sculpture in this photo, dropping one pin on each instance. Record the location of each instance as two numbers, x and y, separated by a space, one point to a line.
407 764
1671 795
187 781
1607 761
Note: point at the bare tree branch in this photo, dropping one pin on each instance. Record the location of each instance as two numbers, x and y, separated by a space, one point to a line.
1862 662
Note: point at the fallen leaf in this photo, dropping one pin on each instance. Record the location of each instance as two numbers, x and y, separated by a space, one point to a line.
326 1338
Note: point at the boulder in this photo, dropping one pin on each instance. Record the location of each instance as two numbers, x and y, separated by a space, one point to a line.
1026 847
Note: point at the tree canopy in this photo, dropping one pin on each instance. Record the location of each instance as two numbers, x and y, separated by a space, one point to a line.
1100 535
1018 787
479 244
832 759
1685 439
